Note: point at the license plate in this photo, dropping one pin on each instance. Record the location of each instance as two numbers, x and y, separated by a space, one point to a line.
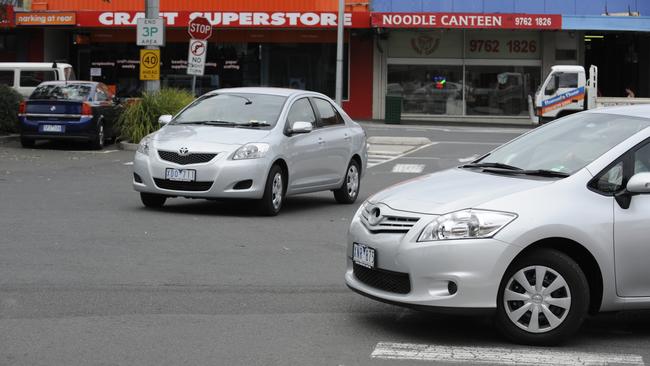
363 255
52 128
180 175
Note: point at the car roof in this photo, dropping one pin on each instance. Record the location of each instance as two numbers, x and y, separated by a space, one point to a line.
69 82
283 92
32 65
638 110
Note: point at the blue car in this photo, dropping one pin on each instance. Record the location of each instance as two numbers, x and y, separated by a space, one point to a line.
73 110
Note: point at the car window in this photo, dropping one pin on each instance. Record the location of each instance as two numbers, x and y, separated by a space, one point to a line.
62 92
328 115
611 180
642 159
7 77
100 95
568 80
301 111
35 77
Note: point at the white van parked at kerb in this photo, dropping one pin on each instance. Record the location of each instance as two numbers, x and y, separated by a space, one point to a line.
25 76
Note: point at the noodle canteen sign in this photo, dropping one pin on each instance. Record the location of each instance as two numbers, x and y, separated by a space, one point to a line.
466 20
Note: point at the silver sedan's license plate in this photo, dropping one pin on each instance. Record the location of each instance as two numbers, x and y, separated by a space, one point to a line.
363 255
180 175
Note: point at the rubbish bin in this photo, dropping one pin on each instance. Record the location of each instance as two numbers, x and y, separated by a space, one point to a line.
393 113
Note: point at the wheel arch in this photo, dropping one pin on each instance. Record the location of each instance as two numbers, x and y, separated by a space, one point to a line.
582 257
285 170
357 158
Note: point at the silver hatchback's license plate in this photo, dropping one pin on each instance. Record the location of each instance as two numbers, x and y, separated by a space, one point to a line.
363 255
180 175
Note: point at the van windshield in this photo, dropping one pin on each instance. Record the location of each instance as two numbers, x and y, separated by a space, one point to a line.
77 92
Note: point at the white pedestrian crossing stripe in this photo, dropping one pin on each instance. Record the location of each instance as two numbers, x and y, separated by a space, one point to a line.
408 168
501 356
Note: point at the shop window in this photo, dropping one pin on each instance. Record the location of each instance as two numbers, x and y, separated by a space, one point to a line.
33 78
7 77
500 90
328 115
427 89
301 111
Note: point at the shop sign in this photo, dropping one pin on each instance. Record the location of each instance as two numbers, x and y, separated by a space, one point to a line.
46 18
150 32
6 15
503 45
196 57
466 20
255 19
425 44
149 64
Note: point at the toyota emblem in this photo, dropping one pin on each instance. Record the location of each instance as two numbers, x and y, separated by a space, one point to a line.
183 151
375 216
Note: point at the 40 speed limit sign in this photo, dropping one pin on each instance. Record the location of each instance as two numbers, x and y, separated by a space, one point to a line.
149 64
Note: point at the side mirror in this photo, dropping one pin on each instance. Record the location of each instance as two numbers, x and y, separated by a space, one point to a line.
639 183
165 119
301 127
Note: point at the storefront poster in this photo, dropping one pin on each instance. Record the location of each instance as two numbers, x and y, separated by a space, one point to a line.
249 19
466 20
45 18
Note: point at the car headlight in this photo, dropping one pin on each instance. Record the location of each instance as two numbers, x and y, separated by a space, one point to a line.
145 143
466 224
251 151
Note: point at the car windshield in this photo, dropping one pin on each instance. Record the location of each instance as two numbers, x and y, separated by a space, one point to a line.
565 146
78 92
245 110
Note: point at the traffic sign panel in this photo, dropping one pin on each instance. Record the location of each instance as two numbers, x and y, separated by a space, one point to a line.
150 32
199 28
196 57
149 64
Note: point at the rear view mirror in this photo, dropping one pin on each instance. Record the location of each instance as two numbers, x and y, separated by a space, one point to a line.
639 183
301 127
164 119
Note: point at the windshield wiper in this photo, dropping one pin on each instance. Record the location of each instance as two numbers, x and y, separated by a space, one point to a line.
536 172
490 165
211 123
252 124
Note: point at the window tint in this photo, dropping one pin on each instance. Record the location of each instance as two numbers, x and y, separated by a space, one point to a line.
612 180
7 77
62 92
33 78
642 160
328 115
567 80
301 111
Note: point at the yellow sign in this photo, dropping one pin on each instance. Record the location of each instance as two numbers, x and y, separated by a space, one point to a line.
149 64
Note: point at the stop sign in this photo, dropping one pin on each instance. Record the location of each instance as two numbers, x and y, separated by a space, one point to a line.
199 28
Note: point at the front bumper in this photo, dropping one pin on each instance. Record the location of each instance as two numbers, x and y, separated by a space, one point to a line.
222 173
474 266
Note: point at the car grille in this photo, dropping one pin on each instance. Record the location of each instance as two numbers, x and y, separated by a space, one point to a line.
177 158
388 223
182 186
382 279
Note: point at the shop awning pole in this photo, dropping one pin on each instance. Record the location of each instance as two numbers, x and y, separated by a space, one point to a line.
339 53
152 10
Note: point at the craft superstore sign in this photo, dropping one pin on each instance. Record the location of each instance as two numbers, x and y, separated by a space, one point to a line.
467 20
228 19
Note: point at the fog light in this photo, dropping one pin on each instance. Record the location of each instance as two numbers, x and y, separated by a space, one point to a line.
244 184
452 287
137 178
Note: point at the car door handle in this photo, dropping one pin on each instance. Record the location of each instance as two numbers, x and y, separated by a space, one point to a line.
346 138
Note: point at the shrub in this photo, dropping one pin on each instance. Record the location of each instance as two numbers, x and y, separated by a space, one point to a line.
140 117
9 102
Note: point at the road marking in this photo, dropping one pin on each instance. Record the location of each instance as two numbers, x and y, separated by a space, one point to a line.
128 163
374 161
468 159
469 129
93 152
498 355
408 168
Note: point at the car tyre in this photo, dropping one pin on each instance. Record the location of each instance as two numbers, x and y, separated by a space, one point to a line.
152 200
98 141
274 192
559 302
350 189
25 142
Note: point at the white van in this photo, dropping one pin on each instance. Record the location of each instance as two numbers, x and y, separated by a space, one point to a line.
25 76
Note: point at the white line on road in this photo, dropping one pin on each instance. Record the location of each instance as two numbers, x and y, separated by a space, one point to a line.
503 356
128 163
93 152
399 156
468 159
408 168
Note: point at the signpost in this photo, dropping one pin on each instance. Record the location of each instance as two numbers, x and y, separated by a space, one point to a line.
151 32
200 30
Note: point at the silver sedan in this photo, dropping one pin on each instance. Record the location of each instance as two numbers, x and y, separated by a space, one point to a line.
252 143
541 232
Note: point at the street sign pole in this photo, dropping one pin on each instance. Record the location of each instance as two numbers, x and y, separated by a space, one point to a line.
194 85
339 54
152 9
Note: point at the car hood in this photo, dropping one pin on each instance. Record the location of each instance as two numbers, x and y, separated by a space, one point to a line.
206 138
452 190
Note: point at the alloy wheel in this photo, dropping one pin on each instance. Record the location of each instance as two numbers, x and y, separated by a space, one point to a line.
352 183
276 191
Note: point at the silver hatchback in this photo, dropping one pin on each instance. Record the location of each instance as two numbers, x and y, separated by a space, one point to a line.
541 231
252 143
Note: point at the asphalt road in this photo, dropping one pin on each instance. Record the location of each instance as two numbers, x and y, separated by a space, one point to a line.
88 276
